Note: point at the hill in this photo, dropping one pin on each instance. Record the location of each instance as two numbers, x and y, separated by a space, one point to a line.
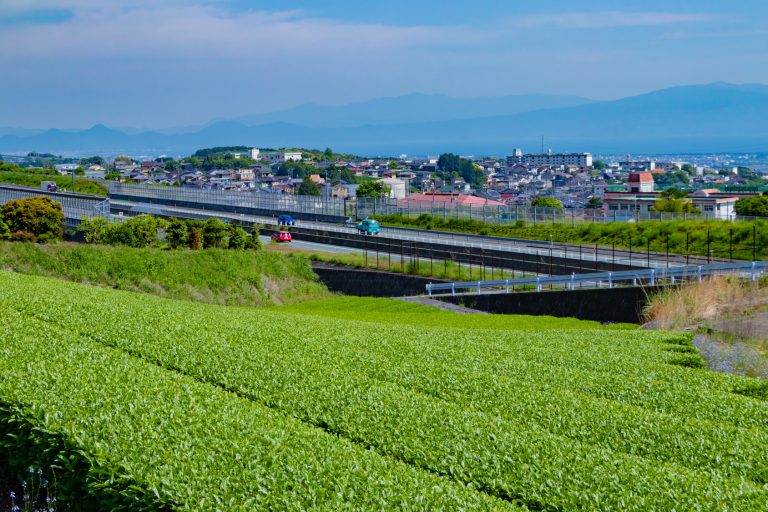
717 117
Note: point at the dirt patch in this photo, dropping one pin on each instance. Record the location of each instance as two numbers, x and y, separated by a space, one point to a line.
443 305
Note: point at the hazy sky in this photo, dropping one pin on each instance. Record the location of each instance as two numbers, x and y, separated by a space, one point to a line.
161 63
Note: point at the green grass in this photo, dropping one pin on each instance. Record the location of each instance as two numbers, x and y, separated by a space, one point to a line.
690 236
82 185
398 312
557 419
214 276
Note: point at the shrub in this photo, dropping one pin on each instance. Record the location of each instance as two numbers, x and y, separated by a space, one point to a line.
237 238
177 233
195 239
214 233
39 216
23 236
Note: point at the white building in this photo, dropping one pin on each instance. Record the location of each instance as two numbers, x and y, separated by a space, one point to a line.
280 156
557 159
254 153
396 187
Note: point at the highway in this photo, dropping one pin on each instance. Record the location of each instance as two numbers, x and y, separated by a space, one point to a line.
78 205
543 249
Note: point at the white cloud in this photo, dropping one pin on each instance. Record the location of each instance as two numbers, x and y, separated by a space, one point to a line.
184 28
611 19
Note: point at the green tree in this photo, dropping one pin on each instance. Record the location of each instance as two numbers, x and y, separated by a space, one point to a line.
237 238
253 242
308 188
688 169
392 164
93 229
195 239
753 206
177 233
546 202
598 165
372 188
5 232
39 216
453 165
674 206
214 233
594 203
328 155
674 193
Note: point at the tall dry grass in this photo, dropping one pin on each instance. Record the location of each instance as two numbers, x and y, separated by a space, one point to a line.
715 298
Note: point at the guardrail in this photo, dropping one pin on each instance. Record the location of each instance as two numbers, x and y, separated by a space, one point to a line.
752 270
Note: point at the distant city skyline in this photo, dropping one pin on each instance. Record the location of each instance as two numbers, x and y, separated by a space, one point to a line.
158 64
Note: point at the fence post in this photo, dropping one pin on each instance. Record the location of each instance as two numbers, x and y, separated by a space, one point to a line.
453 288
507 285
478 287
429 289
653 277
698 274
610 279
754 273
538 284
573 277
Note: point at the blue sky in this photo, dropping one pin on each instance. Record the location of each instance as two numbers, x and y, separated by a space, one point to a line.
154 64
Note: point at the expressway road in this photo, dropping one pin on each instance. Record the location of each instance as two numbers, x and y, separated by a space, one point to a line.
511 245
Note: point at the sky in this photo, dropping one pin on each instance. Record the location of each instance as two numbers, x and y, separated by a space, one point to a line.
151 64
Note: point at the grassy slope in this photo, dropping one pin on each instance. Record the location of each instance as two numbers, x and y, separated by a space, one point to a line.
33 180
213 276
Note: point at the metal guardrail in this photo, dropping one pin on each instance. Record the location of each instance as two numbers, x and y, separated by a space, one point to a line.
752 270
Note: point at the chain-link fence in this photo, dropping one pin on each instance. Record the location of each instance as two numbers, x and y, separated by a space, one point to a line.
493 214
247 201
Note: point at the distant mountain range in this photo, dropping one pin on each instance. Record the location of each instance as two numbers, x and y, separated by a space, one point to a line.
716 117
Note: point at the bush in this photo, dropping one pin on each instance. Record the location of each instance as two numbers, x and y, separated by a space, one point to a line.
195 239
177 233
253 242
5 232
39 216
214 233
23 236
237 238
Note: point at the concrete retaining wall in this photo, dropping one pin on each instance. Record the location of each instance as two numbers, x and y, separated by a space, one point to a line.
370 283
602 305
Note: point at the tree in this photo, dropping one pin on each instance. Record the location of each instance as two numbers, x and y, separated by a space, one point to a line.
93 229
594 203
308 188
451 165
328 154
753 206
39 216
392 164
674 193
688 169
5 232
253 242
598 165
546 202
214 232
195 239
372 189
139 231
177 233
674 205
237 238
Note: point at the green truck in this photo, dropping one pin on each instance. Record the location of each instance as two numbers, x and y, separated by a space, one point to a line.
368 227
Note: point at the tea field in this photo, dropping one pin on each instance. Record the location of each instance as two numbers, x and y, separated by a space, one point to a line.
141 402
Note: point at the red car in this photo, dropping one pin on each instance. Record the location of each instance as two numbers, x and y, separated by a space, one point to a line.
281 236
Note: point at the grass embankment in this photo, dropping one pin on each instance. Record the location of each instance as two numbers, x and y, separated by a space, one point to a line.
215 276
713 299
689 236
83 186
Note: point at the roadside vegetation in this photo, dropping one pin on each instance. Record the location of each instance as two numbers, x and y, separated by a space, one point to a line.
214 276
157 402
15 175
721 239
